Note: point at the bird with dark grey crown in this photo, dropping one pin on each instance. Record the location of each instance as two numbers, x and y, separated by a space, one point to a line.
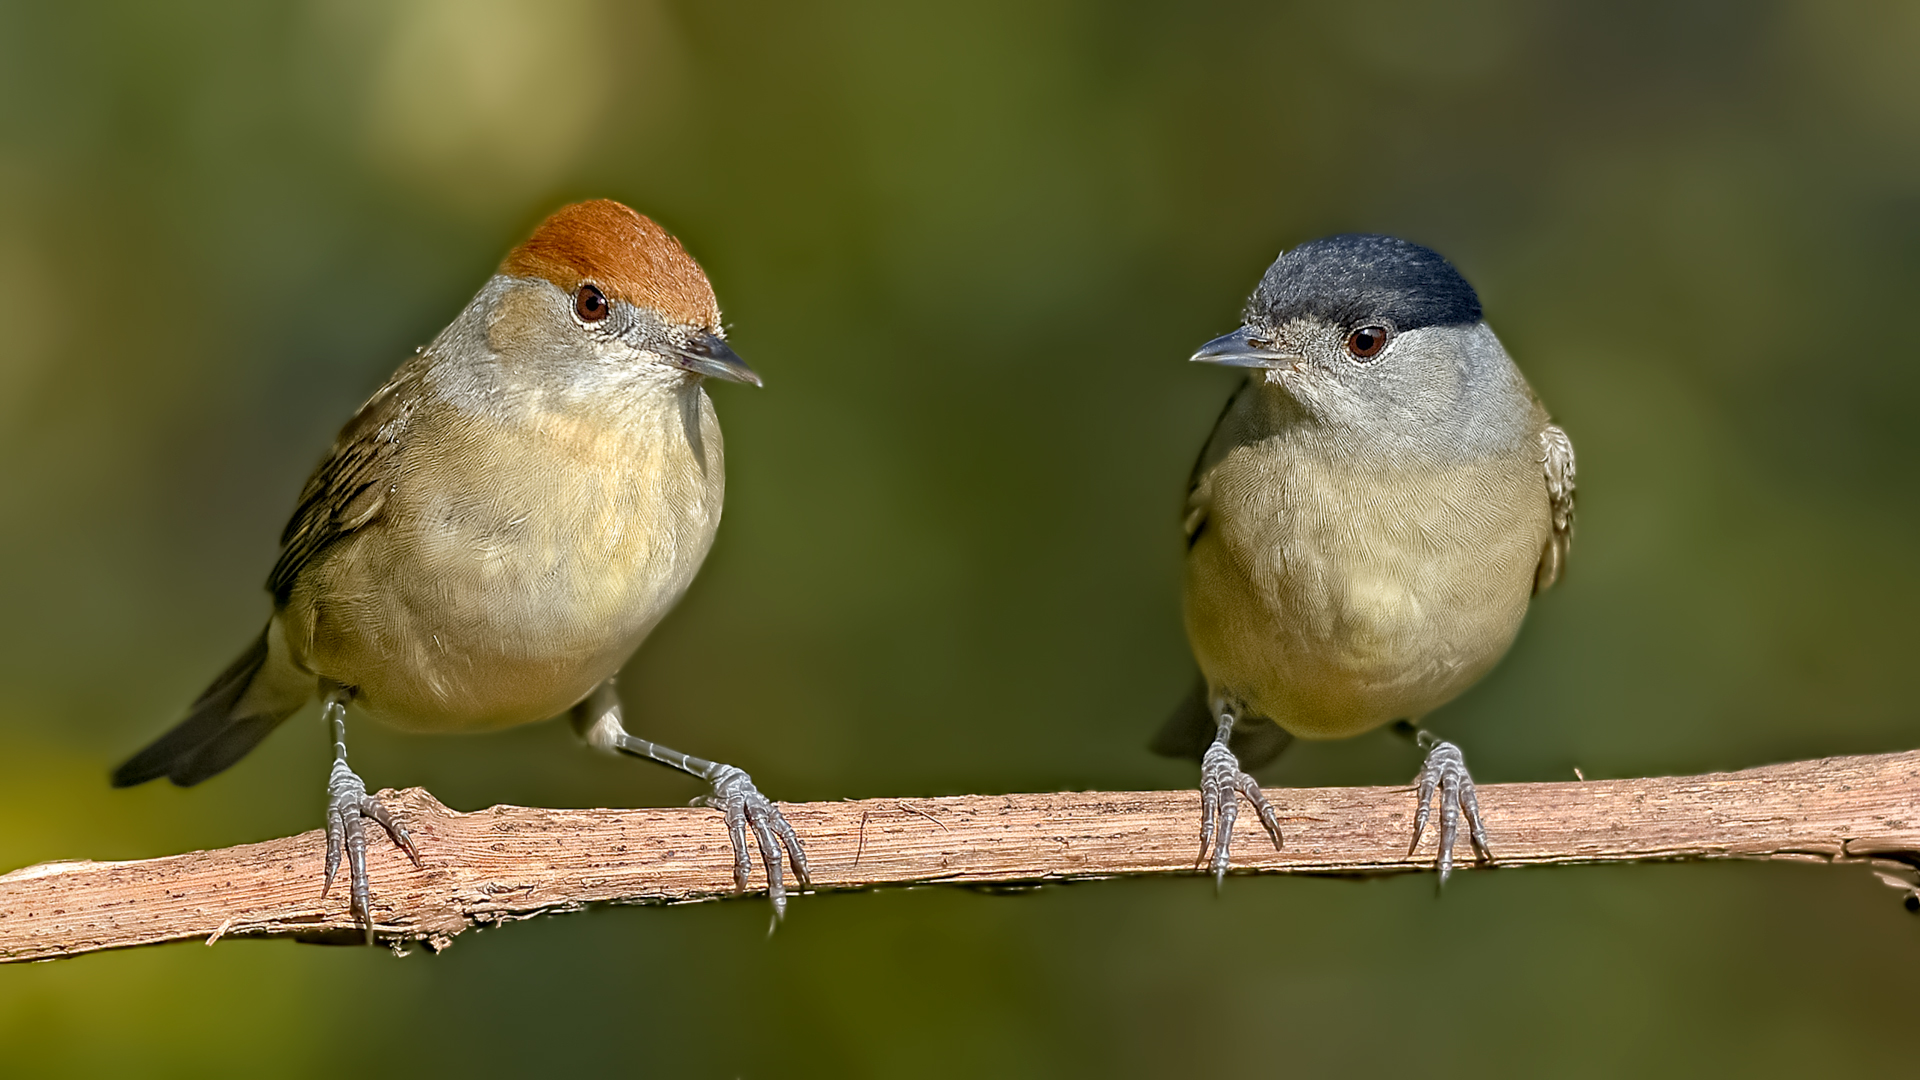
1365 527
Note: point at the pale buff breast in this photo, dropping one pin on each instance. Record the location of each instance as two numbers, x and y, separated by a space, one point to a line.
523 574
1381 599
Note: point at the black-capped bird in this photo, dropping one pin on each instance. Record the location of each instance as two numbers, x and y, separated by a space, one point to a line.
1365 526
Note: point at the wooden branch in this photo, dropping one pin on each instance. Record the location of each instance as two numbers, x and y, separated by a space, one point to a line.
511 862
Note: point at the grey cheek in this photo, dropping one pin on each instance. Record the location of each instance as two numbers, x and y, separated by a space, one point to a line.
621 322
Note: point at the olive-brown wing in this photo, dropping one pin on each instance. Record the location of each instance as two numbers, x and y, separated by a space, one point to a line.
349 489
1556 461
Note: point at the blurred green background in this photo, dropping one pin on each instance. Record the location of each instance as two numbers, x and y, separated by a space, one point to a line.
969 248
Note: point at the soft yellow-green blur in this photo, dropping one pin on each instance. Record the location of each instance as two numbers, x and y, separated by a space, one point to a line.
969 249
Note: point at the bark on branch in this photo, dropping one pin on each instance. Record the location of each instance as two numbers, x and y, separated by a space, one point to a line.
512 862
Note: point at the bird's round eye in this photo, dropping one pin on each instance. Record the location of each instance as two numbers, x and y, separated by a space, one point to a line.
1366 342
590 304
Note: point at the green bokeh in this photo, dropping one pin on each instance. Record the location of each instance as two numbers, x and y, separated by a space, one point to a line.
969 250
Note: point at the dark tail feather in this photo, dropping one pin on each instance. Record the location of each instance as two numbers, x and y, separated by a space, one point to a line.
1256 740
212 737
1190 730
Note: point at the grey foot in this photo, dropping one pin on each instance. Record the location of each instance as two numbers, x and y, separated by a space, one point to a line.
598 720
745 808
1221 781
348 809
1446 771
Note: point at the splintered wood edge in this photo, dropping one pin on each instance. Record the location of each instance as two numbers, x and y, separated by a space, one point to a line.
507 863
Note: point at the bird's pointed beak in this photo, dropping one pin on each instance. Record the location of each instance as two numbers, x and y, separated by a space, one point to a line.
706 354
1242 349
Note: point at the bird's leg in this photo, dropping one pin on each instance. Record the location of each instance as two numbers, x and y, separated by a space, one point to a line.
1221 782
598 721
1446 771
348 808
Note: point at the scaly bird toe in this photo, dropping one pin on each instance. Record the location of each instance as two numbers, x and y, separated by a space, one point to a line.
1445 771
1221 782
349 807
746 808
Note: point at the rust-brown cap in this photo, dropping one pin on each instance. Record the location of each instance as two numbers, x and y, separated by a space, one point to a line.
625 254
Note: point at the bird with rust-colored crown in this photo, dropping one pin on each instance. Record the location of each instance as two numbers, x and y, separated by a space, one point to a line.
498 529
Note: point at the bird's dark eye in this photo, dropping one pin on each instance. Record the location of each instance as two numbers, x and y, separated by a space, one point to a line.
590 304
1366 342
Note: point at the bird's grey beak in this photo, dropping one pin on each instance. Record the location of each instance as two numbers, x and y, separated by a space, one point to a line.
1241 349
706 354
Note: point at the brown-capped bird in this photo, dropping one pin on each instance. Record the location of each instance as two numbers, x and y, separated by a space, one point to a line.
499 528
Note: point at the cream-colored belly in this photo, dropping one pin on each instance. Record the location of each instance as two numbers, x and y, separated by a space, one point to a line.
1363 609
494 597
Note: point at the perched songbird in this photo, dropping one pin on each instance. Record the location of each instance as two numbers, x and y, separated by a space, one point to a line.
1366 525
499 528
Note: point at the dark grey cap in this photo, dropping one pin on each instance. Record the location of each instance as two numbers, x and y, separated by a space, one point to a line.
1352 278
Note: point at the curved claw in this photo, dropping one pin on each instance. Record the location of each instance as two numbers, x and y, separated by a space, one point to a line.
1221 781
348 808
1445 771
747 809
